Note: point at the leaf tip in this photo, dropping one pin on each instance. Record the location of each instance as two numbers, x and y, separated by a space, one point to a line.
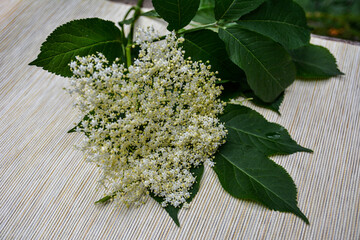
33 63
304 218
103 200
176 221
308 150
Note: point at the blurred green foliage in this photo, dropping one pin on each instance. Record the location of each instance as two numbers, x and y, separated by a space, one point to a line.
334 18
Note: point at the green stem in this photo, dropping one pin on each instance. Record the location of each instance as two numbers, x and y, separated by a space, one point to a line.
137 14
123 39
128 12
128 55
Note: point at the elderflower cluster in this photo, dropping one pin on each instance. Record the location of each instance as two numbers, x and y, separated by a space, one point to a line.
148 124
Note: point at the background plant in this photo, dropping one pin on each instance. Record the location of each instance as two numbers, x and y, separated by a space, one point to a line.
335 18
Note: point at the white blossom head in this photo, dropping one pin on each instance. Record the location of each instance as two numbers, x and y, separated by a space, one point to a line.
146 126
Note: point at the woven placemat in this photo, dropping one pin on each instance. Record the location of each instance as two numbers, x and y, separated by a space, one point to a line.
47 190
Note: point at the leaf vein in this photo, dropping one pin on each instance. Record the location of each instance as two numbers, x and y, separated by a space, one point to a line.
261 64
257 181
74 50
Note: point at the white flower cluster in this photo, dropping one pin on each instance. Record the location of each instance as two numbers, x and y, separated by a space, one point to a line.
147 125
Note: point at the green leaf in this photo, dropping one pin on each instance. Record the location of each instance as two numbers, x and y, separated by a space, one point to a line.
283 21
105 199
207 3
248 174
231 90
87 118
126 21
78 38
206 45
151 14
314 62
205 13
248 127
79 125
173 211
234 9
274 106
178 13
205 16
268 66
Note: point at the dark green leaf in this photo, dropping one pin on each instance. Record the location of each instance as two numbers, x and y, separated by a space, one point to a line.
234 9
178 13
274 106
173 211
268 67
205 16
79 125
314 62
233 90
248 127
205 13
151 13
283 21
135 52
206 3
74 128
105 199
248 174
87 118
78 38
206 45
126 21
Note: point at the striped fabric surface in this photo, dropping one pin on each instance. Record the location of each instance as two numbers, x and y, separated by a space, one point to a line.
47 190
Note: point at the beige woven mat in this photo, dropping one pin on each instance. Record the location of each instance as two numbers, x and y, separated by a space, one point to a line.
47 191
